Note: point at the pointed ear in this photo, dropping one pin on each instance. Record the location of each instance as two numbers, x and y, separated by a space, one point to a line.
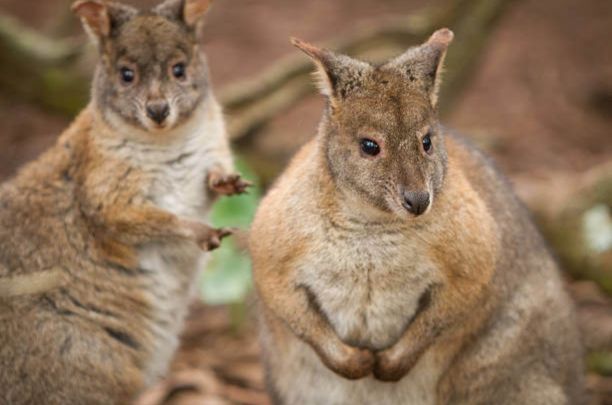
423 64
100 17
94 16
337 74
190 12
195 10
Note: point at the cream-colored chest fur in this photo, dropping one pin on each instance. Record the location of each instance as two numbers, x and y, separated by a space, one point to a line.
176 173
302 379
367 281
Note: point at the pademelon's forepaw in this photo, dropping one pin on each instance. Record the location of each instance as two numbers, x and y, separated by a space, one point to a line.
231 184
207 237
349 362
212 240
391 366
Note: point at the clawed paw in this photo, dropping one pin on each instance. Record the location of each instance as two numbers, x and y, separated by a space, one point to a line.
206 237
211 240
231 184
389 366
350 362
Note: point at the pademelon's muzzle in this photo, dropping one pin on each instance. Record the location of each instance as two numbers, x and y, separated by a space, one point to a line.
416 202
158 111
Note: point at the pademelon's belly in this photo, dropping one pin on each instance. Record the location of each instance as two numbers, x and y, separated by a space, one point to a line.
295 384
368 290
173 268
172 273
182 190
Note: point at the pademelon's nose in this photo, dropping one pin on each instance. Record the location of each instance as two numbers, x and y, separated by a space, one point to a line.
158 111
416 202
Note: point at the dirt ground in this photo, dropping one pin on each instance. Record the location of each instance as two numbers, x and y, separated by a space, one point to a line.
540 101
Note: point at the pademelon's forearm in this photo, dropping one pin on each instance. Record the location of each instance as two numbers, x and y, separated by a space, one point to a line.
458 300
136 225
222 178
448 311
295 305
143 224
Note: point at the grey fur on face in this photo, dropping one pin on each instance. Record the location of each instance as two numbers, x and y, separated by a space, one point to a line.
152 74
394 105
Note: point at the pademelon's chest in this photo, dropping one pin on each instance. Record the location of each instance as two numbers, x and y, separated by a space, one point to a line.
177 184
181 187
368 284
178 187
176 171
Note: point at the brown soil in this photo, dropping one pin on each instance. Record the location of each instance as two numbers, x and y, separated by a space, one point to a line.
543 93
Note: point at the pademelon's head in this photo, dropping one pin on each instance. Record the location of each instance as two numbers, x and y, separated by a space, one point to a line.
152 74
381 133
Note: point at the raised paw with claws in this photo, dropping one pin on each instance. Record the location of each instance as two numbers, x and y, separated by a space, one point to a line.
393 364
230 184
206 237
350 362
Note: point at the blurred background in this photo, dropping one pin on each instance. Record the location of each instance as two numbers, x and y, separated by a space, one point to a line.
529 81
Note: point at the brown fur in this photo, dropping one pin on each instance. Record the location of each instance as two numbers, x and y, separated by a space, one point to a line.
101 238
362 301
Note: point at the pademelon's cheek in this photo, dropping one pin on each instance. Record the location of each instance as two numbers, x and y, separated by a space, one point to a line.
185 94
184 103
120 101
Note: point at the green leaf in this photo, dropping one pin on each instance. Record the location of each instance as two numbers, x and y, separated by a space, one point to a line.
600 363
227 278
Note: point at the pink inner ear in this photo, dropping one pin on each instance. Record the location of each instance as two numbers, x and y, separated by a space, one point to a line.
194 10
94 14
307 48
443 37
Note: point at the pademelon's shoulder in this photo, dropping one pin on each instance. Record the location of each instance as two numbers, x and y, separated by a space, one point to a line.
38 201
478 169
285 213
46 178
477 175
52 163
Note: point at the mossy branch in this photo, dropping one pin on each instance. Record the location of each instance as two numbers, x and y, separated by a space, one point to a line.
40 70
252 103
49 73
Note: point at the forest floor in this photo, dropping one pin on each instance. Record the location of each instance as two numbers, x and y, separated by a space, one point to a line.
540 102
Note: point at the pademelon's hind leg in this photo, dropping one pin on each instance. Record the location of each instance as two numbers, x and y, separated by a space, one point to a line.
52 361
535 390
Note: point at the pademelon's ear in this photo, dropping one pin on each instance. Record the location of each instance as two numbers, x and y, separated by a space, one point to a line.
337 75
191 12
423 64
100 17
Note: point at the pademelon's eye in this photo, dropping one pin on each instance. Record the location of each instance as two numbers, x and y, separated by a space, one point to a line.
127 75
369 147
427 145
179 71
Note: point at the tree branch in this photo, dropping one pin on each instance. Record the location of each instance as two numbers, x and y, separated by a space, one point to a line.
43 71
51 73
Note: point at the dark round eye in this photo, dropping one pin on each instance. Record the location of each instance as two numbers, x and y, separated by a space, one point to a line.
427 145
369 147
178 70
127 75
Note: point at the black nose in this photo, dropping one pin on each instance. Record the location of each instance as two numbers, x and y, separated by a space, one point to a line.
158 111
416 202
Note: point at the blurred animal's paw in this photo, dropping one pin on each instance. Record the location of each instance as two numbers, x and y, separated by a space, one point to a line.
350 362
206 237
393 364
231 184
